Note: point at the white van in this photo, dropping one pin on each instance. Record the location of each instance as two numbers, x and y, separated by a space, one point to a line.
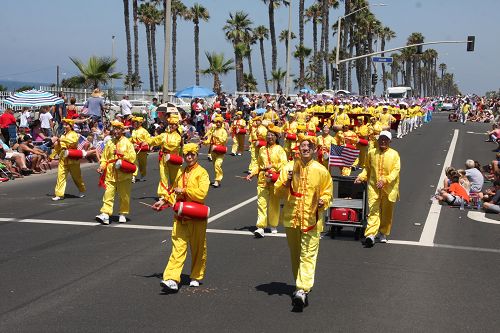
398 92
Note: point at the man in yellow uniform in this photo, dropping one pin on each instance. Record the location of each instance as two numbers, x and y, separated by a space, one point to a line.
270 115
290 127
238 125
170 143
69 140
374 129
115 180
307 188
382 175
139 138
217 137
362 133
340 118
346 137
324 143
271 159
385 118
259 133
191 185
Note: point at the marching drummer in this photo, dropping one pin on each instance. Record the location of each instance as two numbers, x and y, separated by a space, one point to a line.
114 180
269 162
139 138
324 143
259 133
238 129
290 132
217 139
69 140
169 157
190 186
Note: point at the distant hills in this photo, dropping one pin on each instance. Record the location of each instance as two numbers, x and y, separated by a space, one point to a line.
13 85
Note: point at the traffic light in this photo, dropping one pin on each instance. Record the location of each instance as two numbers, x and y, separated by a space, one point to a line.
470 43
374 79
419 49
335 74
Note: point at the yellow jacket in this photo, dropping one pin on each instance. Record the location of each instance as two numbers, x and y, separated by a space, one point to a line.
259 133
274 156
382 165
324 142
341 119
195 181
168 142
66 141
140 135
218 136
271 115
121 149
310 182
239 123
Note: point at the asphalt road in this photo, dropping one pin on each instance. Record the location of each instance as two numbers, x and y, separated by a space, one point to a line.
58 275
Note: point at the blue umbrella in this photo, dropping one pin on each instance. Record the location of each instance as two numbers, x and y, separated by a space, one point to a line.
260 111
307 91
31 98
194 91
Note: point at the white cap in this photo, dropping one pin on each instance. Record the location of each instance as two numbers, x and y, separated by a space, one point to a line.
341 106
386 134
269 105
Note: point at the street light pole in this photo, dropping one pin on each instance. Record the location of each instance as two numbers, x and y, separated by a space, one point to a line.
112 57
166 57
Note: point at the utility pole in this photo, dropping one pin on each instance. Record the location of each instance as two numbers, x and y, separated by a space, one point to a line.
166 56
112 57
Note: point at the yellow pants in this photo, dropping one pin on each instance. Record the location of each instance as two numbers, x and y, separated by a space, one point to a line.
123 188
238 143
168 173
304 249
288 148
62 174
253 157
268 207
363 152
142 163
193 233
380 216
217 160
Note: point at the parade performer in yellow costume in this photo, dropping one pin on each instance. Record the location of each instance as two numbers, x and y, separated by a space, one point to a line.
306 187
271 159
191 185
340 118
69 140
324 143
374 129
139 139
218 136
290 127
385 118
270 115
238 138
259 132
346 137
362 133
170 143
382 174
112 179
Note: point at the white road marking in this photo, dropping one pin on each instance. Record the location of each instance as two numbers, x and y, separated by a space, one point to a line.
227 211
430 227
481 217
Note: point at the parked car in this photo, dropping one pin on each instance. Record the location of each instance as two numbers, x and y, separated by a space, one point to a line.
448 107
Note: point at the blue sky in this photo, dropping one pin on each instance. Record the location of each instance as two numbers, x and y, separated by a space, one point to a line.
39 35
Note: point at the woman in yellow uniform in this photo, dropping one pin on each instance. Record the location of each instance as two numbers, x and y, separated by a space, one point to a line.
170 143
139 138
259 132
271 159
218 136
306 186
374 129
191 185
113 180
346 137
238 139
69 140
324 143
382 175
290 127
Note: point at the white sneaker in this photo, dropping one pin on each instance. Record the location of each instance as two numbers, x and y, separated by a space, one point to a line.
239 154
133 180
299 299
102 218
274 230
259 233
216 184
56 198
382 238
169 285
194 283
81 195
122 218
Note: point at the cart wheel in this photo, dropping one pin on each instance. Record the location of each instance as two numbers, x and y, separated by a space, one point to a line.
357 233
332 232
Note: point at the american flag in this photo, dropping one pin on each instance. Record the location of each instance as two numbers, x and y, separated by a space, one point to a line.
342 155
100 147
81 142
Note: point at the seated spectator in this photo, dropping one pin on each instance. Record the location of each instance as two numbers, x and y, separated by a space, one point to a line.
464 181
455 195
474 175
35 157
492 199
447 179
16 157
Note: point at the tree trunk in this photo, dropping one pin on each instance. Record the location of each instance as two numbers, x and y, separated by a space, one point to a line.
263 59
136 39
327 42
315 48
197 53
249 59
126 15
150 66
351 52
274 51
301 40
344 70
217 87
153 52
174 52
384 76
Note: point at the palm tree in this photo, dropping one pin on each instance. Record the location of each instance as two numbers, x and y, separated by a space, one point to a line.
313 14
136 38
126 15
414 38
261 33
144 14
283 37
272 5
236 28
395 68
98 70
156 19
217 66
178 10
442 68
325 36
301 53
386 34
249 82
196 13
249 39
278 76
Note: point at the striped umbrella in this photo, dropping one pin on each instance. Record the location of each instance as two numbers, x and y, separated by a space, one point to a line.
31 98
